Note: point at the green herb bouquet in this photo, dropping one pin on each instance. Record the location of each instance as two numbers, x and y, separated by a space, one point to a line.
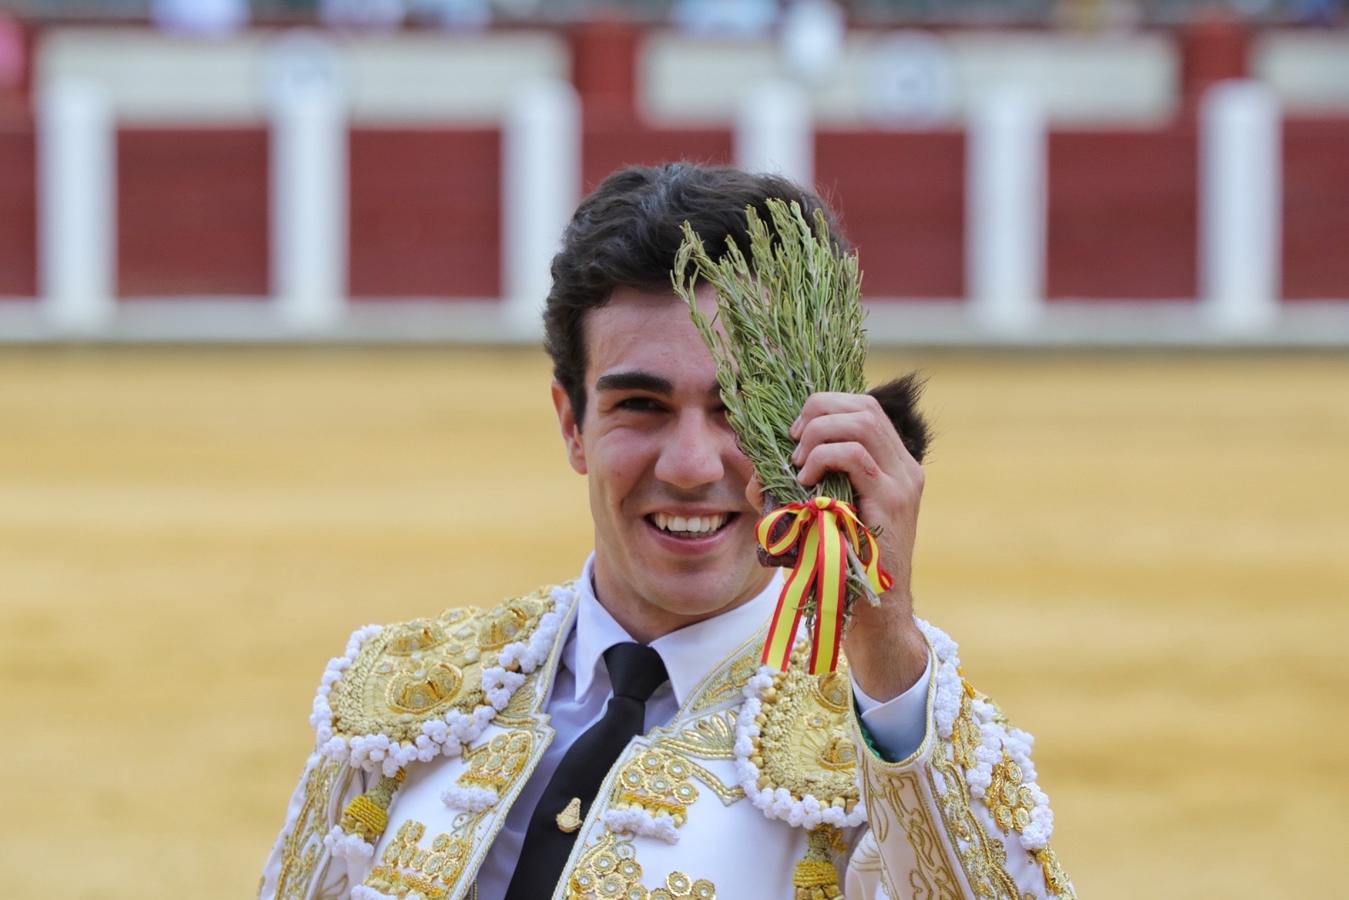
789 324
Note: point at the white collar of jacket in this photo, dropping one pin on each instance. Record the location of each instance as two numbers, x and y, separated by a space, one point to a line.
686 652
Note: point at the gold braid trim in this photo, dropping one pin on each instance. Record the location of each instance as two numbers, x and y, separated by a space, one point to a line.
1056 879
983 856
302 846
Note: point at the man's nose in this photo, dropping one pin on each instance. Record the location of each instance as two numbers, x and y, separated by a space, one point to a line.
693 456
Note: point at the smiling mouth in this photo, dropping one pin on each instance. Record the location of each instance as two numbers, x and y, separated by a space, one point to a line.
690 527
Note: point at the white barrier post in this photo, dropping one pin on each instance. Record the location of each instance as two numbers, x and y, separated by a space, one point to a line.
540 186
1240 206
77 233
1005 211
308 184
774 132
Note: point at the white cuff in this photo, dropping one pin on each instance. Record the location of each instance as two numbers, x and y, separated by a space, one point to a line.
896 726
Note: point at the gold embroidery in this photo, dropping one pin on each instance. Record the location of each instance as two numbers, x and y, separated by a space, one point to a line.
500 762
1056 880
983 858
804 744
502 625
679 885
410 673
520 709
1008 799
833 691
406 867
895 799
727 794
610 869
423 690
419 634
711 737
656 781
301 847
729 683
965 737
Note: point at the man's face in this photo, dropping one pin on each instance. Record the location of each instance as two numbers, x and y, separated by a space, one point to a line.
674 534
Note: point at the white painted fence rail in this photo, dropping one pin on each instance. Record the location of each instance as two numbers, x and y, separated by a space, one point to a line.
1240 206
774 133
77 237
1005 212
309 204
541 185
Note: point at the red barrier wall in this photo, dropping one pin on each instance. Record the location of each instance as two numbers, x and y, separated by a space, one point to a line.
606 146
192 212
425 213
18 211
1122 215
902 200
1315 209
192 209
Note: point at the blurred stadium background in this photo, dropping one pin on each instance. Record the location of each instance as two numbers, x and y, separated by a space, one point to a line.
269 282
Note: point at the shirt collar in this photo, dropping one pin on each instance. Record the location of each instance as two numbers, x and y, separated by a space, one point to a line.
688 653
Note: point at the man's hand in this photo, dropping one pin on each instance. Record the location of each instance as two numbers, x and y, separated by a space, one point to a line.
851 434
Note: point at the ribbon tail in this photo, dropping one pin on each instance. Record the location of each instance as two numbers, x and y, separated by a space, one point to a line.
777 652
831 567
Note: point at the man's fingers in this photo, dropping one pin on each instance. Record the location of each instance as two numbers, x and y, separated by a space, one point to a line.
828 404
823 403
860 426
849 457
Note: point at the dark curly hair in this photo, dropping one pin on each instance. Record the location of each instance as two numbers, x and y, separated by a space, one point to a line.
626 234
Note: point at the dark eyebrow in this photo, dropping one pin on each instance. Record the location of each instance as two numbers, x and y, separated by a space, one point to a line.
634 381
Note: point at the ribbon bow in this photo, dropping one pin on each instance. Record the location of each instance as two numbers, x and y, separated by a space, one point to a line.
816 528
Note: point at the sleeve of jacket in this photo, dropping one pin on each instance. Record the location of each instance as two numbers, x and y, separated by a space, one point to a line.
961 816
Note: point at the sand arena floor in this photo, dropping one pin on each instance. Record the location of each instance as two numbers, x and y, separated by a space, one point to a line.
1146 559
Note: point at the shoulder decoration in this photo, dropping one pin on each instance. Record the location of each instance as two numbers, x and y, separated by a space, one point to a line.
794 752
426 688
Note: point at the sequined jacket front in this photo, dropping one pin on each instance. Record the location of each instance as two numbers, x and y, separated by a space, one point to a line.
763 785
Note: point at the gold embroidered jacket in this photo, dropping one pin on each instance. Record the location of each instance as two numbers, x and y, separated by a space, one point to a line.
763 785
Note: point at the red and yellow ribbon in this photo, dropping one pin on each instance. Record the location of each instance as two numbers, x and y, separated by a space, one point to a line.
816 528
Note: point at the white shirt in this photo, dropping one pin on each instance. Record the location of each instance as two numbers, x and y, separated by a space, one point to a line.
581 691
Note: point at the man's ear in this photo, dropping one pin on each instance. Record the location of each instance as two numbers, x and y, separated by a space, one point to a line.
571 429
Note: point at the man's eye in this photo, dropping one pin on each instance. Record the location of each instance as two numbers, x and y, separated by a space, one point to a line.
639 404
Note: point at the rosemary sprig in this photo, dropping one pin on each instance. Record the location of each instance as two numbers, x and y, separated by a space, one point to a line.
788 324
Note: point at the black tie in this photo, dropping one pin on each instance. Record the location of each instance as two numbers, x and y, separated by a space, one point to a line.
635 671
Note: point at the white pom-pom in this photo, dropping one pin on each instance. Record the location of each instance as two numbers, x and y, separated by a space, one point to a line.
361 892
466 798
639 822
343 845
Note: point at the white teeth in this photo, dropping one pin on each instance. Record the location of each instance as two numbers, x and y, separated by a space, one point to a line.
688 524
